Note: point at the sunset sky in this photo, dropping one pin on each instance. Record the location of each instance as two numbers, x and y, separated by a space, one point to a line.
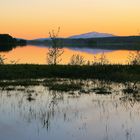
35 18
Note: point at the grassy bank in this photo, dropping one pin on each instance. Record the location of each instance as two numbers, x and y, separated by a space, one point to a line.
106 72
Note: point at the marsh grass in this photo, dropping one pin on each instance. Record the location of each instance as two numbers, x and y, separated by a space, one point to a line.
102 87
131 88
30 97
19 83
65 87
63 84
73 87
102 90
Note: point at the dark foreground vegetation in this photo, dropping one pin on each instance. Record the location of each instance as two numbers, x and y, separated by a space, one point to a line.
117 73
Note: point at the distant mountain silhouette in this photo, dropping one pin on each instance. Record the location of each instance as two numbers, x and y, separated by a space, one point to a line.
92 35
81 36
7 42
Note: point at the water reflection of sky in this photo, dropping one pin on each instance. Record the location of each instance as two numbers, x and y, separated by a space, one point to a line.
38 55
92 51
56 115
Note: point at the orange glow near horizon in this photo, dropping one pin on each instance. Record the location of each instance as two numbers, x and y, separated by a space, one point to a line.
31 19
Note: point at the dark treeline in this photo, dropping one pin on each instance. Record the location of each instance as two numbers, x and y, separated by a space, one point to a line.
7 42
112 43
118 73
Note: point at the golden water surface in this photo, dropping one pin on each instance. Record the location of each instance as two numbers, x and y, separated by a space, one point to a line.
38 55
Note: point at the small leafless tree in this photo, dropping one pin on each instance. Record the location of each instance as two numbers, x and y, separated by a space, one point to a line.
134 58
2 59
100 61
14 61
77 60
56 50
103 60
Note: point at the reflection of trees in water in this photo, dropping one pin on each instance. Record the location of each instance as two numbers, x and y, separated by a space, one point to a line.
7 48
10 47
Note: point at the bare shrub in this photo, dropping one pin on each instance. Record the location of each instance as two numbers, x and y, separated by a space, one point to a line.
101 61
56 50
2 59
77 60
134 58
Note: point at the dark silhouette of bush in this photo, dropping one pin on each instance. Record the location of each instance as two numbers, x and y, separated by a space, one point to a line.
77 60
7 42
7 39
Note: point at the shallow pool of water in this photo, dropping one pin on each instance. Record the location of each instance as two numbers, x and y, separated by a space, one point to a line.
37 113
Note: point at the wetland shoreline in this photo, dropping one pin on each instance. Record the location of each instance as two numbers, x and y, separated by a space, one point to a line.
116 73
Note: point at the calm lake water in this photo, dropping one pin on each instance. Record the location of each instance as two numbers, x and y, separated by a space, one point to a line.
37 55
86 114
